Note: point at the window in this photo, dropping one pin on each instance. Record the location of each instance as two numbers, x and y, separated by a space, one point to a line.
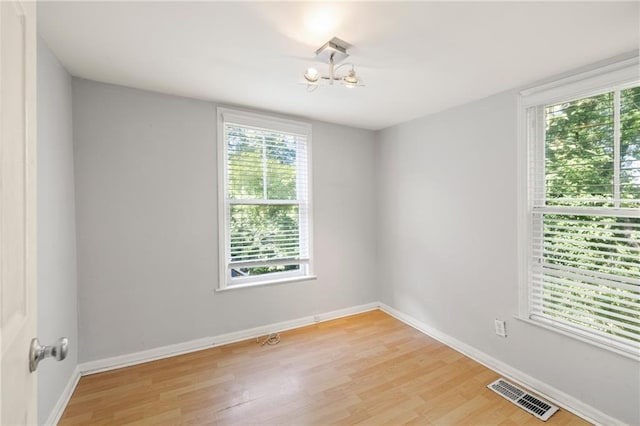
581 255
264 199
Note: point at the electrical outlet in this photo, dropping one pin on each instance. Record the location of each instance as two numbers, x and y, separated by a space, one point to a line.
501 327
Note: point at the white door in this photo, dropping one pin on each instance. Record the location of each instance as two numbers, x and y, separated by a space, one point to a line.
17 210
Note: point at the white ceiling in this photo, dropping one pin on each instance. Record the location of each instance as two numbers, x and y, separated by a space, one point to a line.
415 58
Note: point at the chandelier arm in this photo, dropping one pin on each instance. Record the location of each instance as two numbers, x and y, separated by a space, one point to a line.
342 65
333 72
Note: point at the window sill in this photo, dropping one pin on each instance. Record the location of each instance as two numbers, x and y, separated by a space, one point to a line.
268 282
577 336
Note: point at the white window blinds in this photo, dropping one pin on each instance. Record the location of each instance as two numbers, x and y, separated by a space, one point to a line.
266 200
584 215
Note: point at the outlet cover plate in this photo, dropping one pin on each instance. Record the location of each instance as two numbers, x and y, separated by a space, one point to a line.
501 327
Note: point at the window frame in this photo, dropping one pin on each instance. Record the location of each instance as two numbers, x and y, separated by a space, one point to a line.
276 124
614 76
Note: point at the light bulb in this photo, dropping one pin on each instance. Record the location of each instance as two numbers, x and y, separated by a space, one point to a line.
351 79
311 75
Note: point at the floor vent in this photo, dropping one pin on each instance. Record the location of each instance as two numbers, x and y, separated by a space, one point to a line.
524 400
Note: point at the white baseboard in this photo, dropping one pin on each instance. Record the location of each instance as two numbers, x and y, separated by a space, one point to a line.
58 409
548 392
120 361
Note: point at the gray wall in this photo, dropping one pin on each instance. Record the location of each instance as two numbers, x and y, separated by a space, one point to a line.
447 249
146 188
57 285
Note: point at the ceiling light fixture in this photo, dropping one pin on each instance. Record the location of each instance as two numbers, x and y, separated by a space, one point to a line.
333 52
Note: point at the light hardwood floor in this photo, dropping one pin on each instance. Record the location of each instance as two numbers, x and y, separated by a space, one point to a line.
364 369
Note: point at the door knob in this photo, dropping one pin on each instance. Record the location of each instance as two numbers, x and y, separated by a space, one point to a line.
38 352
